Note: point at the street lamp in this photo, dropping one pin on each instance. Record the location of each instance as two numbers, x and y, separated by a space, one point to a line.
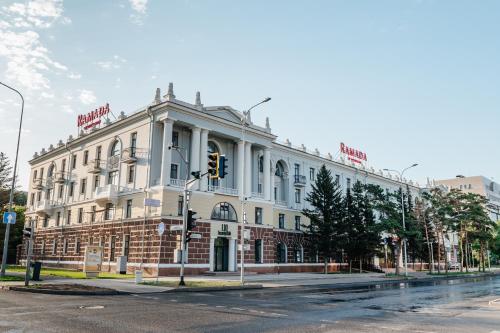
401 173
11 197
244 120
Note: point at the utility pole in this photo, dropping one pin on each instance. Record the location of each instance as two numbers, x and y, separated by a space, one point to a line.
30 253
11 196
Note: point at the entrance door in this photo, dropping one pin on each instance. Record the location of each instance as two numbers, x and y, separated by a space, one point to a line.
221 254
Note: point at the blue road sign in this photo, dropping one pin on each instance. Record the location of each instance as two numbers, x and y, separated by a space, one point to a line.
9 218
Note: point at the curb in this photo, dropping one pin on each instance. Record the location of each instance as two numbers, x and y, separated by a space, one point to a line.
63 292
200 289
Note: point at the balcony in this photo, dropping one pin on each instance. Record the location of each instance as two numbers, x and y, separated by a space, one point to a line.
222 190
106 193
38 184
177 182
299 180
60 177
258 195
95 166
45 207
281 203
128 155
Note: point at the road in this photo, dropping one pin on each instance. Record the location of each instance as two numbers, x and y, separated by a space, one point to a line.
444 306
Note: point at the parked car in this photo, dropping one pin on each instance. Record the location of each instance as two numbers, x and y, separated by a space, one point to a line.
454 265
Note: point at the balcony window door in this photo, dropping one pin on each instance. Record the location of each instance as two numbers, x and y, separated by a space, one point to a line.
113 178
133 144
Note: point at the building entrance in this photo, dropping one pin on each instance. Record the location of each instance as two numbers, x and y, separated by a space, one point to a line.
221 254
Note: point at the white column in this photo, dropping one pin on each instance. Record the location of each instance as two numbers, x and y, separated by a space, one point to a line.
267 174
248 169
166 158
194 160
272 183
204 159
241 164
212 254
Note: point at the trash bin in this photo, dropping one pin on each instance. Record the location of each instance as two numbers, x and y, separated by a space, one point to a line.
37 267
138 276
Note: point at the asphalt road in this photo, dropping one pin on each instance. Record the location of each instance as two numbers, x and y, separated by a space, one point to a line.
445 306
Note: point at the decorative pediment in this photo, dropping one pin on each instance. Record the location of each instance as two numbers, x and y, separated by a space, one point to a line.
225 112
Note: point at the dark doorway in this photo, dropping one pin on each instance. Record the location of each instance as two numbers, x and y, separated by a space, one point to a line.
221 254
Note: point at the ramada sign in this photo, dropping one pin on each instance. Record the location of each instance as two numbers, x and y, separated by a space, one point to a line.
93 118
353 155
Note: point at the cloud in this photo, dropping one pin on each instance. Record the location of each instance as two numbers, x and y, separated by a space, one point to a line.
28 61
114 63
67 108
74 76
87 97
46 95
139 7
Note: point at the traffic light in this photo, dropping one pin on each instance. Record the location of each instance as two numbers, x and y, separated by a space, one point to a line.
27 232
190 224
222 166
213 165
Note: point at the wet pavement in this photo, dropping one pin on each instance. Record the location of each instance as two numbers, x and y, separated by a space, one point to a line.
459 305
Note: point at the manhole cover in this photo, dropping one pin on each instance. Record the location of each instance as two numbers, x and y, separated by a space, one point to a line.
92 307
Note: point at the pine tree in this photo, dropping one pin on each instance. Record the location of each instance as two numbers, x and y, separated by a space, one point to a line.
5 179
326 216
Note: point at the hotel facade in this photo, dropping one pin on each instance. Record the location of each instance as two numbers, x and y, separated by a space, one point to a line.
91 189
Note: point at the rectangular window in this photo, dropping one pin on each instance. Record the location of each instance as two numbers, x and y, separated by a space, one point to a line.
85 157
258 215
58 219
259 188
83 186
47 194
180 205
173 171
65 246
45 221
275 193
80 215
63 165
175 139
126 245
112 177
54 247
337 179
128 209
73 162
297 222
71 188
258 251
108 212
131 174
77 246
41 173
297 169
35 173
92 213
42 249
348 183
112 248
60 191
133 144
297 195
68 220
98 153
32 199
97 179
281 221
38 196
311 173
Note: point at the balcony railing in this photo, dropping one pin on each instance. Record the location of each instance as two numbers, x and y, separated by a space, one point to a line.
95 166
128 155
281 203
299 180
45 206
258 195
177 182
106 193
60 177
38 184
222 190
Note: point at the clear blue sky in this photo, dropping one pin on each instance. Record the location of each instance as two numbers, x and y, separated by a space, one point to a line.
405 80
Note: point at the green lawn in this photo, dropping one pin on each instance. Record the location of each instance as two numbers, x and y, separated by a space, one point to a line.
11 278
193 284
71 274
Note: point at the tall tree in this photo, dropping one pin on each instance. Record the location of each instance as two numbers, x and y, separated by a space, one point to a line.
5 179
326 216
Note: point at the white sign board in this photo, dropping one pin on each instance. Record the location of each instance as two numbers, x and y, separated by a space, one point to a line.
177 227
246 247
161 228
195 236
246 234
152 202
93 259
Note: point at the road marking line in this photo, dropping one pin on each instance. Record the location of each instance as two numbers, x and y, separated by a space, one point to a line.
238 309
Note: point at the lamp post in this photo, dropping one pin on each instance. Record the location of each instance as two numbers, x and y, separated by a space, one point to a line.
401 173
244 121
11 197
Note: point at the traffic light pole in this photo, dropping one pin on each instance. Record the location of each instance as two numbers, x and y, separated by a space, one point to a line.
30 253
11 197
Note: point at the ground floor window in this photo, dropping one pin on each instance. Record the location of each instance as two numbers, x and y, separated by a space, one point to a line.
258 251
126 245
112 248
281 253
108 212
298 254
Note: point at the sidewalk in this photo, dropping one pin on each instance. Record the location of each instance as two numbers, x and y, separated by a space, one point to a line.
266 280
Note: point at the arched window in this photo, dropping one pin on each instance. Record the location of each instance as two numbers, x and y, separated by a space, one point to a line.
224 211
50 172
281 253
115 149
280 170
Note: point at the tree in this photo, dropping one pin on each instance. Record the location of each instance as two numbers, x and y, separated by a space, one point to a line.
5 179
326 215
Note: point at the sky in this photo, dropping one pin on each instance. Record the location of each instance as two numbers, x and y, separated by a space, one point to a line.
405 81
